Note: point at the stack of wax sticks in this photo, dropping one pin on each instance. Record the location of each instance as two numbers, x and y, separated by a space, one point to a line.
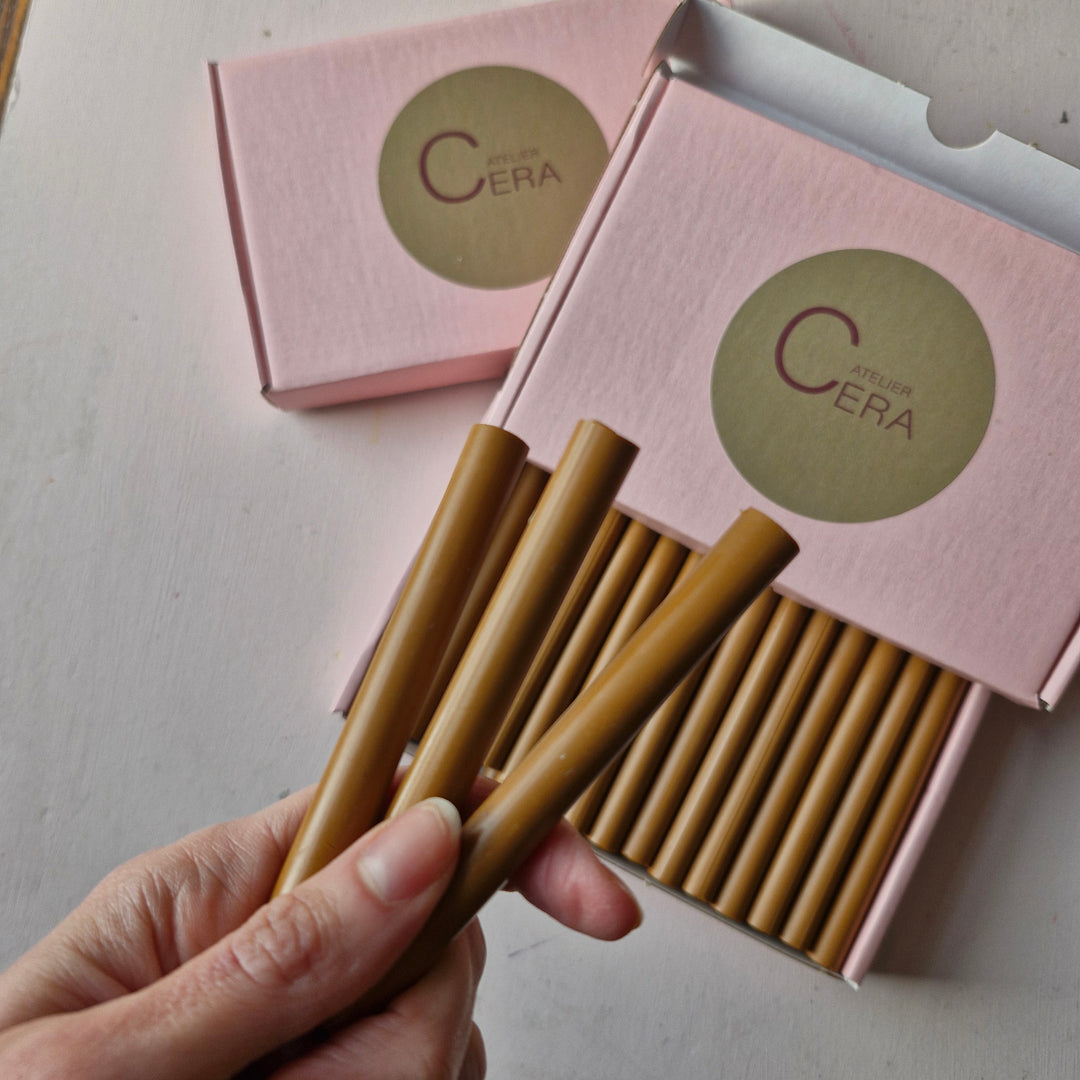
529 593
759 757
774 782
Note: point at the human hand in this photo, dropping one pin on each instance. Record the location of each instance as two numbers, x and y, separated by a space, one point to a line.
174 967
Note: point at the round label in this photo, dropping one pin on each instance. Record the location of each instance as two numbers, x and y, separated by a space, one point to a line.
853 386
484 175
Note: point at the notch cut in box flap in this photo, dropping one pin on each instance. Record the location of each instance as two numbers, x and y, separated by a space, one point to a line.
813 91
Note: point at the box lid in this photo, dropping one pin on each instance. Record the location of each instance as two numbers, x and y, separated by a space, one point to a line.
740 172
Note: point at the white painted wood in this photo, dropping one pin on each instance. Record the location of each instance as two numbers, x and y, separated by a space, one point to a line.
184 571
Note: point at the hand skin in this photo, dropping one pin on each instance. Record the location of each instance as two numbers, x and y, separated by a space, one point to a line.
174 967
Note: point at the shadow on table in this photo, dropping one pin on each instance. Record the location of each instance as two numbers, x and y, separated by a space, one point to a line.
953 908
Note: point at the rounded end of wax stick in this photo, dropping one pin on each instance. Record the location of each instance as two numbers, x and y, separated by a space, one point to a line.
568 516
774 545
700 878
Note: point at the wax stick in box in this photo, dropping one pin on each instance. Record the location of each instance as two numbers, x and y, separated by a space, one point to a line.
766 828
511 822
514 518
586 639
566 619
751 780
639 767
889 821
355 784
856 805
570 512
824 788
665 562
725 752
717 686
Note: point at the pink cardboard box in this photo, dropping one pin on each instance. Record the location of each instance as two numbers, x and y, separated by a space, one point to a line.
399 201
794 298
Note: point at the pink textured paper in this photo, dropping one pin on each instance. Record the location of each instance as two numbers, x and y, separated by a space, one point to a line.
338 297
984 578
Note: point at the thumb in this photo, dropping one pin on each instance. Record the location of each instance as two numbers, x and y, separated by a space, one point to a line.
297 962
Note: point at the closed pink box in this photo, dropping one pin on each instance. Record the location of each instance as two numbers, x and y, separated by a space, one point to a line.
794 298
398 201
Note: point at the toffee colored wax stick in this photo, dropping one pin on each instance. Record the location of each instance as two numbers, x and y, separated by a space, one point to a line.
766 827
725 752
768 823
717 686
567 518
890 818
824 788
661 570
586 639
754 773
356 781
642 758
507 827
515 517
566 619
851 815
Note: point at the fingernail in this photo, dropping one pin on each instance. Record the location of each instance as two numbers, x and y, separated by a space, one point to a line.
406 855
640 915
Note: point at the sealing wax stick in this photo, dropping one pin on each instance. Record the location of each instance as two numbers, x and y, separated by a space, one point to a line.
717 686
855 807
515 517
725 752
586 639
567 518
639 767
768 824
507 827
889 821
566 619
660 571
356 781
824 788
632 772
754 773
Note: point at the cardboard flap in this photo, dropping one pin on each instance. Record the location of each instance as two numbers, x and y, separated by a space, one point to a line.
813 91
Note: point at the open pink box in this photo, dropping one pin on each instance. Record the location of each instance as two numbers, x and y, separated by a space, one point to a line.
398 201
794 298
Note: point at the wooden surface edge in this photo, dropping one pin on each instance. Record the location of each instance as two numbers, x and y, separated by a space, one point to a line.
12 20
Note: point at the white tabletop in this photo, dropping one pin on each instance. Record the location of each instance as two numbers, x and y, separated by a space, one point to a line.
185 572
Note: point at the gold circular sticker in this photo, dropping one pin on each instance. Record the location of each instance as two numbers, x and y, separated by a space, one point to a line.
484 175
853 386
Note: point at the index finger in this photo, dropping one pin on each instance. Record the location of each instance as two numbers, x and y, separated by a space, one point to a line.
565 878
